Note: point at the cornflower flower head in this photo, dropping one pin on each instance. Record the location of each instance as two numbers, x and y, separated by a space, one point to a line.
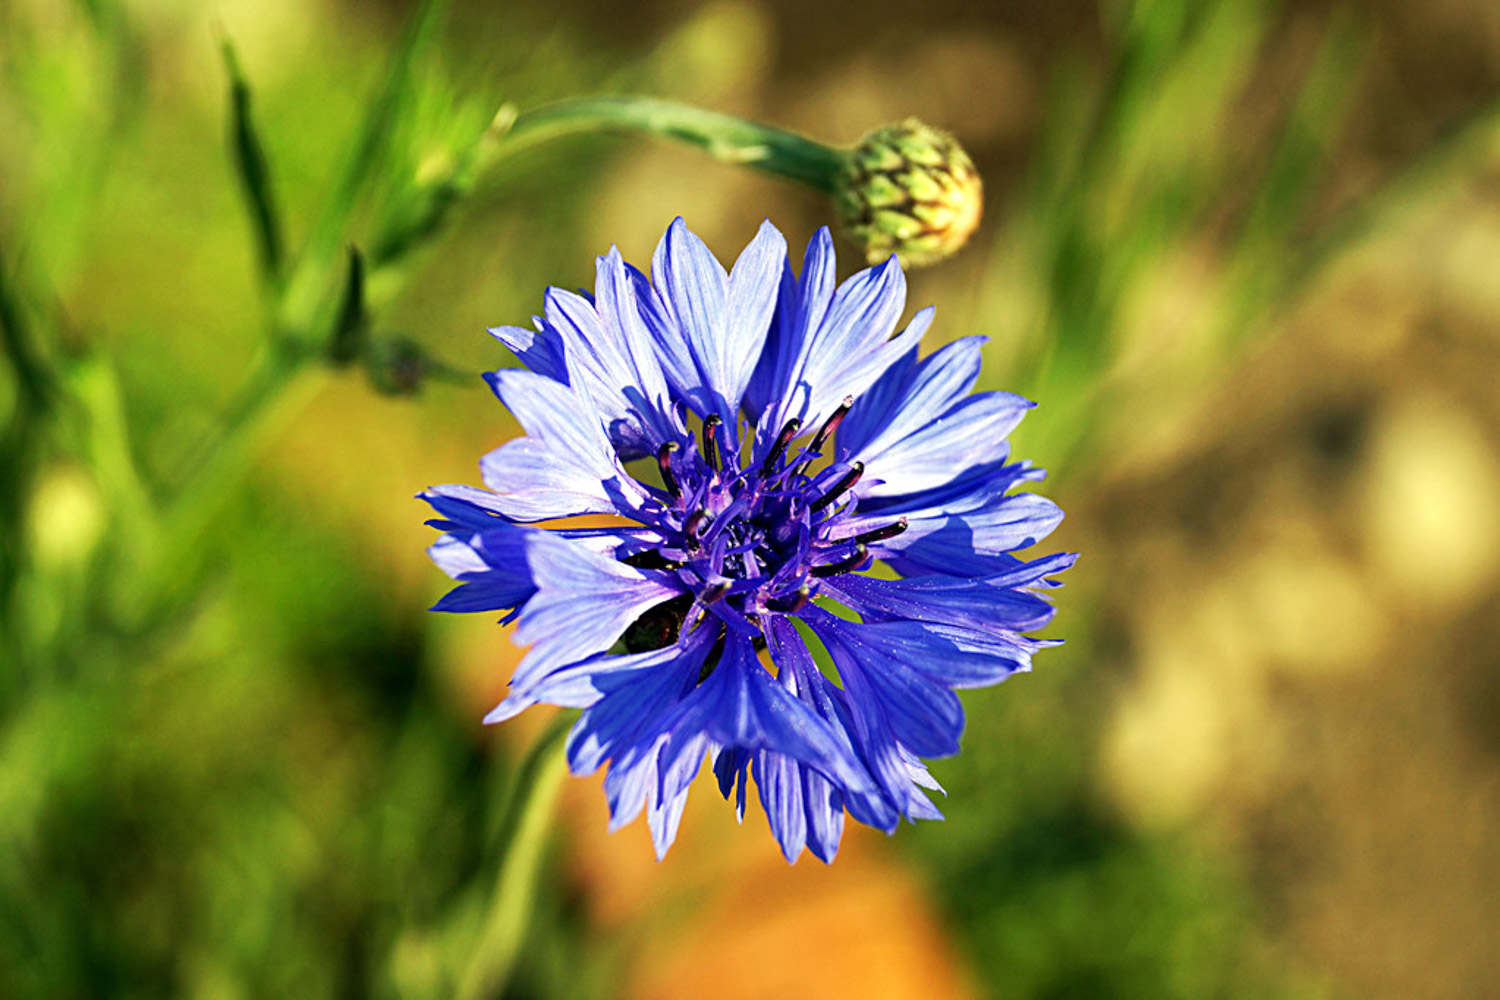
762 442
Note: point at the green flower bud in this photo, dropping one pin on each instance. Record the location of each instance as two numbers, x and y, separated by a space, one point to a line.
911 190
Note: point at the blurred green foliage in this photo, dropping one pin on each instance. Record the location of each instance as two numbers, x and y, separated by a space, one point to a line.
232 759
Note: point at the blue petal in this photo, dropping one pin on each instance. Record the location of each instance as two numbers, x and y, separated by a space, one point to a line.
970 602
671 348
975 490
631 682
900 791
634 699
463 507
753 286
1034 573
799 307
729 767
456 557
1019 521
629 723
583 604
490 564
971 433
954 656
632 782
874 662
492 593
740 705
910 392
799 674
1000 653
963 528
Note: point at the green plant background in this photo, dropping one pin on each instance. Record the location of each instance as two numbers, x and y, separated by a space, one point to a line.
1246 256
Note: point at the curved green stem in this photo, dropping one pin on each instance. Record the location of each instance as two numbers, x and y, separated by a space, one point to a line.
724 137
537 786
263 405
93 382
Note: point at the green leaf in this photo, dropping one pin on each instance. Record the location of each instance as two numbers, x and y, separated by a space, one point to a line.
308 287
34 379
250 160
352 329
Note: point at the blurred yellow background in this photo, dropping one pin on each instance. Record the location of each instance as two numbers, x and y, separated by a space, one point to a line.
1245 256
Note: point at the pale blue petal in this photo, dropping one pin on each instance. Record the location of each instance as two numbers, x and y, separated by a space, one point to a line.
664 813
779 779
825 815
583 604
564 466
917 428
693 289
540 350
841 351
753 285
456 557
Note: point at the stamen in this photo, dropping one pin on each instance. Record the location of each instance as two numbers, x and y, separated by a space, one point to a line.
779 447
664 462
714 593
844 565
690 527
791 603
711 441
845 483
879 534
831 424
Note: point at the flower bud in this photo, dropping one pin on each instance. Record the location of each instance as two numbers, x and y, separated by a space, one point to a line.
911 190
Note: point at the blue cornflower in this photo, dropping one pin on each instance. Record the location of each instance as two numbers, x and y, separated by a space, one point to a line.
762 440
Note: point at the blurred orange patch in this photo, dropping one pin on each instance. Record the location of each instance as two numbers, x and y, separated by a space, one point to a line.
725 916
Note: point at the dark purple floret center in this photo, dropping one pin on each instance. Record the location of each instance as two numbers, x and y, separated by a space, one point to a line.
745 541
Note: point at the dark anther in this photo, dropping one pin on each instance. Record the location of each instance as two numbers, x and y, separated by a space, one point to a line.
714 593
711 441
881 533
792 602
691 528
779 447
830 425
664 462
844 565
845 483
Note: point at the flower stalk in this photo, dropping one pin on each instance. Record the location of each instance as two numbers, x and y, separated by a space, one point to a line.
726 138
493 957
